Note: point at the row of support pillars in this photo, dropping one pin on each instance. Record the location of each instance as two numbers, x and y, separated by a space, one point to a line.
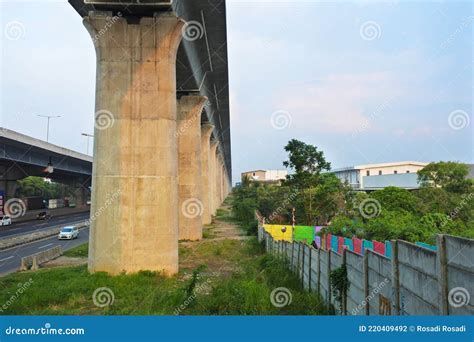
157 175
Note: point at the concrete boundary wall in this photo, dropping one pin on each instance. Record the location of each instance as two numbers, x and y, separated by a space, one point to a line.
415 281
356 292
379 285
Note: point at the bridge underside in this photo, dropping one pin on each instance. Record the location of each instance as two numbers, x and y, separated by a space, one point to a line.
22 156
162 140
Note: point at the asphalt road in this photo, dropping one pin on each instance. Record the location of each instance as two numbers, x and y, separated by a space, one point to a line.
20 228
10 260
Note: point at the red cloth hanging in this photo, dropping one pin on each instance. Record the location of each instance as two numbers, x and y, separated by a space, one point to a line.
328 242
379 247
357 245
340 244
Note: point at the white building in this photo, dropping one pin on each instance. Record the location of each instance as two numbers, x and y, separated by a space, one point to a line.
266 175
378 176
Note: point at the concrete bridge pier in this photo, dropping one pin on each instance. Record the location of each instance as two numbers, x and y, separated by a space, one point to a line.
213 175
81 192
134 184
222 180
206 132
8 187
218 179
190 174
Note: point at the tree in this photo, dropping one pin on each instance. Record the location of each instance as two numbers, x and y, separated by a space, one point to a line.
448 175
308 163
394 198
37 186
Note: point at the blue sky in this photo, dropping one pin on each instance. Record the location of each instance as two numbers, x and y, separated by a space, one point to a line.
364 81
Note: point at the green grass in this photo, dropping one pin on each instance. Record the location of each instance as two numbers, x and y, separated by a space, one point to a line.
81 251
248 291
224 277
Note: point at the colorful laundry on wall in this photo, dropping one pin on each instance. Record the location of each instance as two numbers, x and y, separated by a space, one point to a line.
334 243
304 234
340 244
349 244
425 245
328 241
367 245
388 249
357 245
279 231
379 247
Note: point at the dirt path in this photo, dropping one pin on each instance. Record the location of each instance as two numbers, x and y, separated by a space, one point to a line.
220 249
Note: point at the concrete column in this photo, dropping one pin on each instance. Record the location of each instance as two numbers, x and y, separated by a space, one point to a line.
206 131
222 181
219 180
8 187
190 178
213 173
134 213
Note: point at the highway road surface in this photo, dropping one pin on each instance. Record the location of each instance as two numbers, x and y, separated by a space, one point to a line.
36 225
10 259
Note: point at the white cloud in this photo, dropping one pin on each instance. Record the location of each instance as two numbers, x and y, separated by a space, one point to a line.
339 102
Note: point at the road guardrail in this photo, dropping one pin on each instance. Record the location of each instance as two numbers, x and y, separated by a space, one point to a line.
35 260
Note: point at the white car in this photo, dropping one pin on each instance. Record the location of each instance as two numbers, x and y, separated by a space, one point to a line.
5 220
68 233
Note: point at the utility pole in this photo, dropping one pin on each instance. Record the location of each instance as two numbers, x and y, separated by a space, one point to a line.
293 221
87 136
49 117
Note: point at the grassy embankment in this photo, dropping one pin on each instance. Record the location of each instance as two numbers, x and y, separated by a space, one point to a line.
227 273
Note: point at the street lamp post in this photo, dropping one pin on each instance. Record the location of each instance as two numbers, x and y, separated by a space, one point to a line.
87 136
49 117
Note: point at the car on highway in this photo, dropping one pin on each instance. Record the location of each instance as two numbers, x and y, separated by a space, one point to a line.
44 215
68 233
5 220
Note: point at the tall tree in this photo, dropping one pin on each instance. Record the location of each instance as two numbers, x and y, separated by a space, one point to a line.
448 175
307 163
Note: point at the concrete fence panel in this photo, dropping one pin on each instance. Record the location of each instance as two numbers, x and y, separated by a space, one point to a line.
324 287
307 251
355 275
314 281
413 281
418 280
380 295
460 275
